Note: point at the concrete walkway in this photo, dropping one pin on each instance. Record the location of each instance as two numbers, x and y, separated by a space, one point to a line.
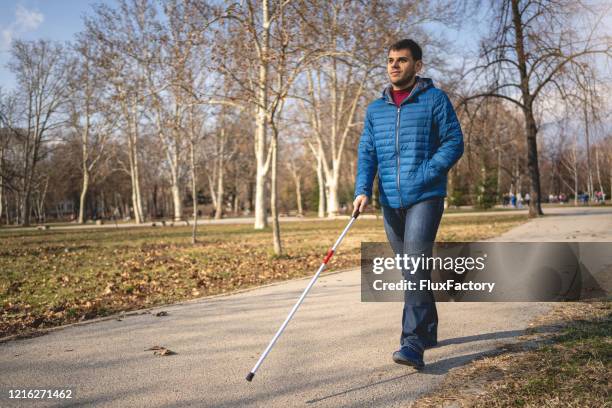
336 352
235 221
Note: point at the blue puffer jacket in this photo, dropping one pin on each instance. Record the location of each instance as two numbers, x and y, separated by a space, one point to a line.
412 146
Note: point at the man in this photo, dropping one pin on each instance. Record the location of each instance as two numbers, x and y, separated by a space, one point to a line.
412 137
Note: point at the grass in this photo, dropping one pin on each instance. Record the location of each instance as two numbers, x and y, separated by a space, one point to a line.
565 361
53 277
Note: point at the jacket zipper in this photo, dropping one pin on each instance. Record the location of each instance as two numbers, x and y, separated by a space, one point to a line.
397 151
397 154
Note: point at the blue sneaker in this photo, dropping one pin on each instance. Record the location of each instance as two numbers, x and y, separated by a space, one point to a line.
409 357
430 344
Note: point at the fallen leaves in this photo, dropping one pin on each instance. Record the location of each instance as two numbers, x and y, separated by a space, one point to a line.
106 272
109 289
15 287
161 351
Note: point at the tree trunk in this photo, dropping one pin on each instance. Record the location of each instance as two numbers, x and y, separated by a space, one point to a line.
261 219
535 208
219 192
298 196
84 189
7 210
576 169
590 188
132 139
518 176
194 192
278 250
297 181
531 129
18 209
332 196
136 204
236 205
2 207
138 194
220 174
249 202
26 206
176 201
211 185
499 169
321 183
42 216
596 169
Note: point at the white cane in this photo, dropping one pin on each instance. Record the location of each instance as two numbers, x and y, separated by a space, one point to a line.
330 253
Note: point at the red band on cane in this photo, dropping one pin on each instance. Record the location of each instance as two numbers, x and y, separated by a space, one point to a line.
330 253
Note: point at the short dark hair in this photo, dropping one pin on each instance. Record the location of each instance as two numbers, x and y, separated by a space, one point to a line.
408 44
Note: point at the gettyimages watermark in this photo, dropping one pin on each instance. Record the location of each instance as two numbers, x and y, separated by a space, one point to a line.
486 271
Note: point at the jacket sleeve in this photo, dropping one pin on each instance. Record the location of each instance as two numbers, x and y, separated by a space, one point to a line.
367 161
450 138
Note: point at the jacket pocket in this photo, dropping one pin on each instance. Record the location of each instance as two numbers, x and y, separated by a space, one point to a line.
425 177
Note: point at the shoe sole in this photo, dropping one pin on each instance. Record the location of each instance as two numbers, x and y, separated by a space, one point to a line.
408 363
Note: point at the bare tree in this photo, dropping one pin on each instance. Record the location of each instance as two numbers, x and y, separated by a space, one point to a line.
570 162
606 145
175 73
592 105
2 150
263 54
4 135
320 181
119 34
257 23
271 54
296 175
10 153
91 117
165 63
195 136
220 150
355 34
42 73
532 45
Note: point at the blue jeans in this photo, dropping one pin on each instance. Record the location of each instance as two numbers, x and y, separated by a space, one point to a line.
412 231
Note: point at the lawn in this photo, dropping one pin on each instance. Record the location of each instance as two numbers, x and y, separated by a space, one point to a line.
565 360
49 278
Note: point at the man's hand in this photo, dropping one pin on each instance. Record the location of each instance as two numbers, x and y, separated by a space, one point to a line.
360 203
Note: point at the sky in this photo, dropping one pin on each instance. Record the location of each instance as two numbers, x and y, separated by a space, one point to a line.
56 20
59 20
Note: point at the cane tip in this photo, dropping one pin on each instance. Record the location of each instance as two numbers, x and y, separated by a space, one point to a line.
250 376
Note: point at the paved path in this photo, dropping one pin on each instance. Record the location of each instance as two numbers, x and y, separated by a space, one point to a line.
565 224
235 221
336 352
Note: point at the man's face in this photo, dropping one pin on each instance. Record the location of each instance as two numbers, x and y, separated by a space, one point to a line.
402 68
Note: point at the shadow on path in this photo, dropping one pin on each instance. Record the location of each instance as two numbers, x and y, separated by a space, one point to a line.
443 366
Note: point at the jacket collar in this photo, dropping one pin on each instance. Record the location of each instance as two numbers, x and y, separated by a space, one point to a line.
420 85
